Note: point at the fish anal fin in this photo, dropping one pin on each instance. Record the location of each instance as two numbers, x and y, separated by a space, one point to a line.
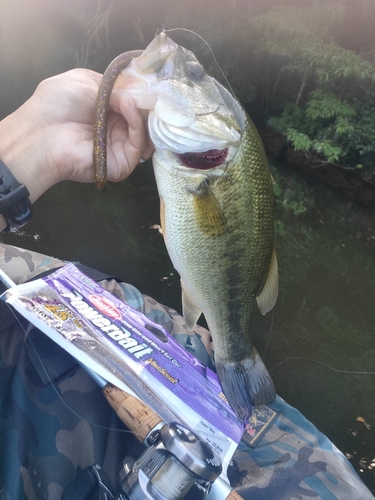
190 311
266 299
209 215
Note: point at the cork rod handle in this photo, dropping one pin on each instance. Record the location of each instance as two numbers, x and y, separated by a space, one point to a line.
135 414
233 495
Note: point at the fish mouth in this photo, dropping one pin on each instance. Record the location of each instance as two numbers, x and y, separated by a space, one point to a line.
206 160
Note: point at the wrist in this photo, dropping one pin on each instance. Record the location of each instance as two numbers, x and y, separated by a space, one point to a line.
21 149
15 204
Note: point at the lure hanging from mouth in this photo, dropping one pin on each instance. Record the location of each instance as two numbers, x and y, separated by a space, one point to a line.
101 114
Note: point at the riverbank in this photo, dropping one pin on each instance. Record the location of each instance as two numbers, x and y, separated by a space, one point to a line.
355 184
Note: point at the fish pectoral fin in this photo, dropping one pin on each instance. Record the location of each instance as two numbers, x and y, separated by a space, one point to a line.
190 311
267 297
209 214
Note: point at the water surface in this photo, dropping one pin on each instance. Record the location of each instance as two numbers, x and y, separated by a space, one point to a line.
321 333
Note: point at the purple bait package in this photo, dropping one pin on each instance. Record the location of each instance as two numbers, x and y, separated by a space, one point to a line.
127 349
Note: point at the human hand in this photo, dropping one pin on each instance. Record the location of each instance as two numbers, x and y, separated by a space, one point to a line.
50 137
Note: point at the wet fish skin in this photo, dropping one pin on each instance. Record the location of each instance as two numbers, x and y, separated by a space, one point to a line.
217 222
219 232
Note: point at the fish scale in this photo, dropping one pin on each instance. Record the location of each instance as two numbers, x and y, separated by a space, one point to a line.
222 274
240 257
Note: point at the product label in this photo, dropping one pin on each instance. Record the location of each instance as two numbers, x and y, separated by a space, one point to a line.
147 343
115 335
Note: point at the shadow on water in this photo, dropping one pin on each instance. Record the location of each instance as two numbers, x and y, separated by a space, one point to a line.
320 334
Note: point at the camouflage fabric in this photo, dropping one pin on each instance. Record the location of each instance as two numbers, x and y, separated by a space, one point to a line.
54 421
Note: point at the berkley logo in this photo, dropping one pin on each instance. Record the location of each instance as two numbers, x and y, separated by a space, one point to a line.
105 306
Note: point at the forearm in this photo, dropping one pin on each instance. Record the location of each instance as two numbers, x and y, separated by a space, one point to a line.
50 138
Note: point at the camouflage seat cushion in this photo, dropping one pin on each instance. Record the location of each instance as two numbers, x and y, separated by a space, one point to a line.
54 421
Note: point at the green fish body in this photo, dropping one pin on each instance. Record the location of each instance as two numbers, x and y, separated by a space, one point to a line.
216 208
219 232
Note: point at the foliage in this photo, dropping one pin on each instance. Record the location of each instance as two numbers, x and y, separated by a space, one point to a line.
292 197
362 137
301 37
322 94
332 128
288 200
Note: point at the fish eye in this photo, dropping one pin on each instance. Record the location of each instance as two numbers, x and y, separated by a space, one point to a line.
194 69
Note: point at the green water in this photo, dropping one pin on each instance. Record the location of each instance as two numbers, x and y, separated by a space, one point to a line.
322 328
323 325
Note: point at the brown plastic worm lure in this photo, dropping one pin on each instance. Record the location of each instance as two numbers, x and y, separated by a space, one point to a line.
101 113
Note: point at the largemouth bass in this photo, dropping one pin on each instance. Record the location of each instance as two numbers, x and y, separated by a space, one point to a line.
216 207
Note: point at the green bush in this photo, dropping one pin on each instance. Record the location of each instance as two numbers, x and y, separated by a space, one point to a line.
323 95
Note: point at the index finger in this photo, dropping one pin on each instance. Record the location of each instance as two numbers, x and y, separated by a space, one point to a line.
139 144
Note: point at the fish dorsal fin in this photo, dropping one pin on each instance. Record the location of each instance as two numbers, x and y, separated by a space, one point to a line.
190 311
268 295
210 217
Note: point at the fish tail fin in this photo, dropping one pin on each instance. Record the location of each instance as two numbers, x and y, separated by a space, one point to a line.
245 384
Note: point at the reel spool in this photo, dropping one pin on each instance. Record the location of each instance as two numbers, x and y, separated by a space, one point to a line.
176 466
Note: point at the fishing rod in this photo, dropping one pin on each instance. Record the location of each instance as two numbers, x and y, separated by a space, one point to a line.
176 464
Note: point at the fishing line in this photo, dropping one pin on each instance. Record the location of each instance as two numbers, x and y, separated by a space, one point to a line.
248 7
58 392
349 372
270 334
209 48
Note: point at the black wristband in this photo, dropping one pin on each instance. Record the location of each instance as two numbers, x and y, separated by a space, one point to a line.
15 204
